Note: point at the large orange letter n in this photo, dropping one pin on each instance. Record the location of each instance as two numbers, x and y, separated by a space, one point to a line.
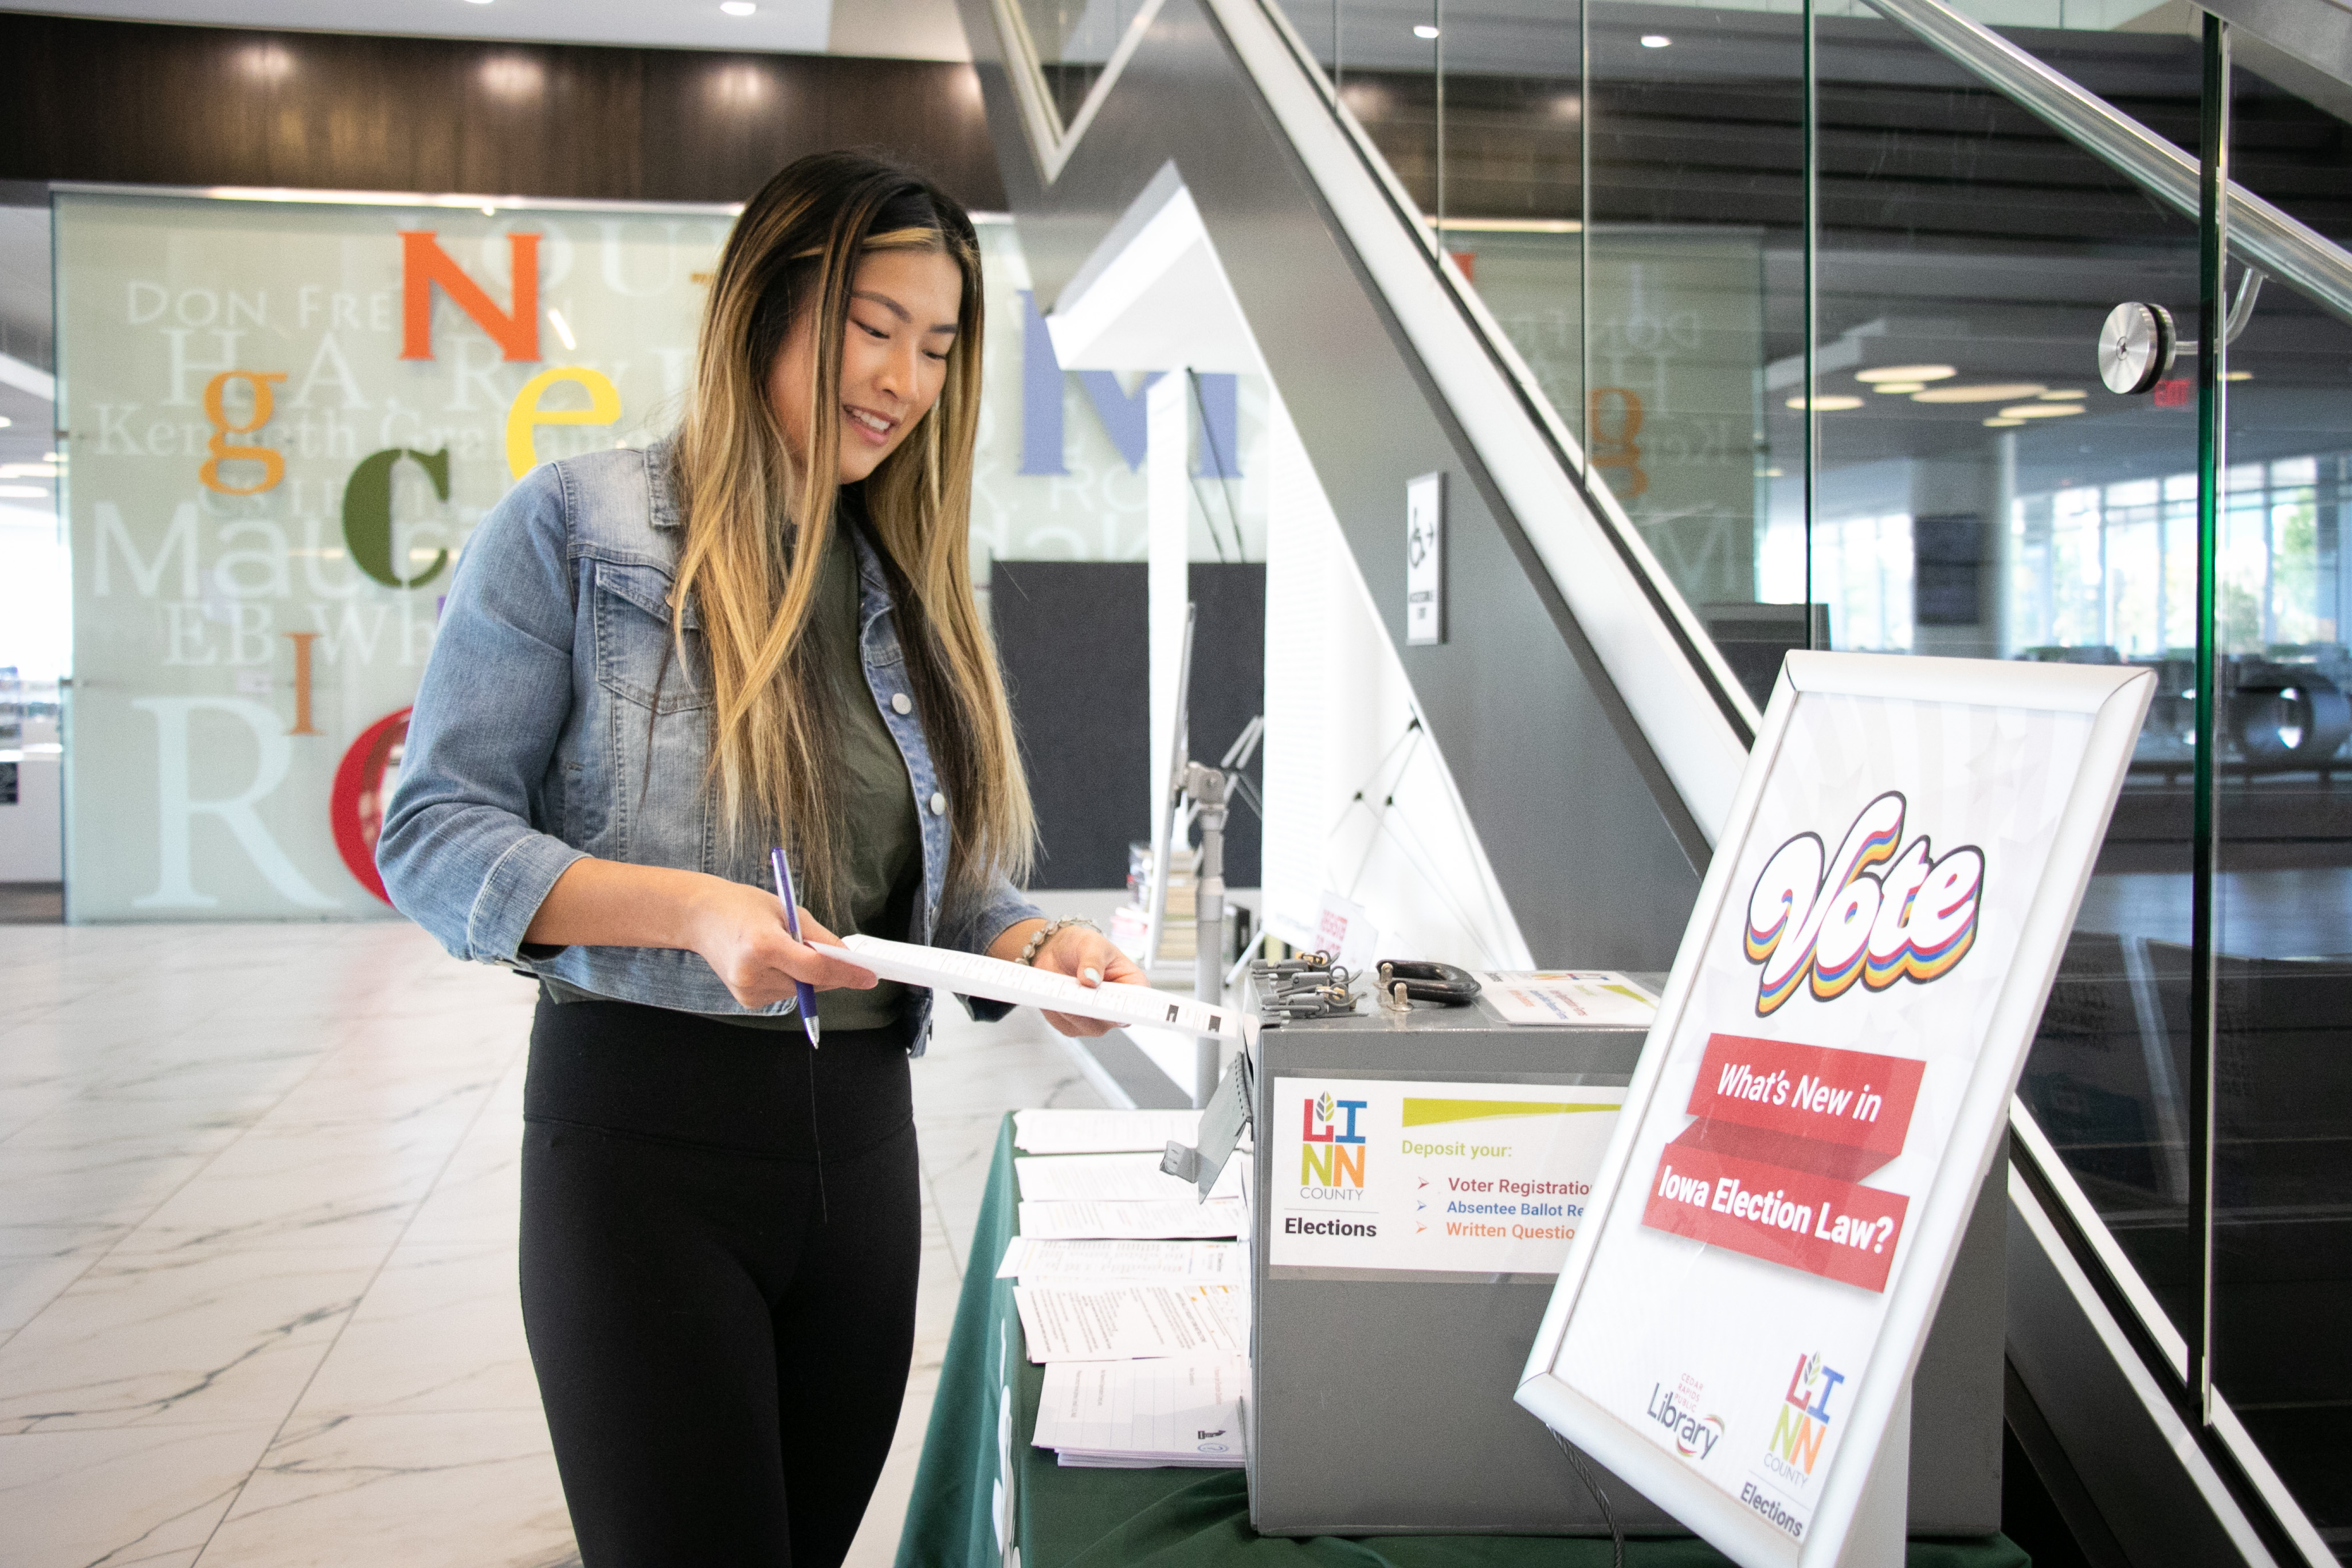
423 264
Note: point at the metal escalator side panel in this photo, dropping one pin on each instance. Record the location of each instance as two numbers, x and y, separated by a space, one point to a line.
2143 1467
1697 646
1615 602
2035 1147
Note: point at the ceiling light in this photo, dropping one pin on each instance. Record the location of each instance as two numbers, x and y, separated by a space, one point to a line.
1898 386
1656 40
2237 375
24 493
1907 372
477 2
5 422
2004 392
1424 30
28 471
2064 394
562 329
2040 411
53 456
2003 424
737 8
1834 404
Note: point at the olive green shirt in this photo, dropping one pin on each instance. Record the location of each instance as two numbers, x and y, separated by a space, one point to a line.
884 875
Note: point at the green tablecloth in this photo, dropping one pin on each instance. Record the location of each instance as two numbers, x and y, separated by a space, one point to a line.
987 1408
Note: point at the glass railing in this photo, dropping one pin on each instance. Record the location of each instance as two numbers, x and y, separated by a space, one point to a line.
1818 296
2282 1279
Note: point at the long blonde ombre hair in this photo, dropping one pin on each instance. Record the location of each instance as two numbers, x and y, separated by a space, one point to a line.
758 524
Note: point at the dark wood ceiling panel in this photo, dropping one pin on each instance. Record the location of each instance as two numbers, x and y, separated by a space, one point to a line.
150 104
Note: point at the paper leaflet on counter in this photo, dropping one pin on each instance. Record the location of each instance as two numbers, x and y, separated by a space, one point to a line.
1032 1261
1102 1131
1181 1219
1112 1178
1587 996
1135 1415
1072 1322
972 974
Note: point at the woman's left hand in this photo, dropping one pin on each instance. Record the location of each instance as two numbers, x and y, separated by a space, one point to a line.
1087 956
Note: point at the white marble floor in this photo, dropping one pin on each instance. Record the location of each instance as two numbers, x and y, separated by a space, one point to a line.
257 1191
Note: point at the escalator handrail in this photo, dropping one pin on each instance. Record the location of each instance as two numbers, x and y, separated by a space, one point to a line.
1732 699
2041 1181
2283 246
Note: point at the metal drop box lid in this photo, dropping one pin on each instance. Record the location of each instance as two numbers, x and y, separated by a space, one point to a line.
1381 1401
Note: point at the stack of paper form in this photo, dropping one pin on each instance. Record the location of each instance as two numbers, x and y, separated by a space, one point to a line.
1139 1415
1127 1291
1121 1195
1102 1131
1126 1321
1035 1262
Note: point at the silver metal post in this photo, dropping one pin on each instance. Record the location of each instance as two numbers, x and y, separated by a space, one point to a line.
1207 787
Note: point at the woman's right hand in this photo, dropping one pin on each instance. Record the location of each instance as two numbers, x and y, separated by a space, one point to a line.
737 929
739 932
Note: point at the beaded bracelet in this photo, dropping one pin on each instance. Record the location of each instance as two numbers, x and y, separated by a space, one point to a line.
1045 934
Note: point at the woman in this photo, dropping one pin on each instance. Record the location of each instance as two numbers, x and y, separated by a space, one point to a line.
652 667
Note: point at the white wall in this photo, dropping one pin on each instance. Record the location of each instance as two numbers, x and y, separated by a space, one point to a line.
1358 801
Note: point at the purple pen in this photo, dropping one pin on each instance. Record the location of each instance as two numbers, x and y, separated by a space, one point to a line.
793 923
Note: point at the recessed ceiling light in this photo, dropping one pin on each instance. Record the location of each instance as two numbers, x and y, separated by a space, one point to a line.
1656 40
1907 372
477 2
737 8
2237 375
1834 404
24 493
2064 394
2003 424
2040 411
1898 386
1424 30
5 422
2003 392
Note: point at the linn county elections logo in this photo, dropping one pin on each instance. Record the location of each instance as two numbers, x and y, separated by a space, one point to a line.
1869 913
1333 1158
1803 1420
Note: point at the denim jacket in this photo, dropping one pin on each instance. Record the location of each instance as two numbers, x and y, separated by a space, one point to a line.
549 728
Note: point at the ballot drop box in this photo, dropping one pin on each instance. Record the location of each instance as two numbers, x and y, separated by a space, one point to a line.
1418 1179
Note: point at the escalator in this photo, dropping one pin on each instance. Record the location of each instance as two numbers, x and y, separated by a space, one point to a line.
1738 328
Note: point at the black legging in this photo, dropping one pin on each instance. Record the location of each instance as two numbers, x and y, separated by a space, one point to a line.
720 1322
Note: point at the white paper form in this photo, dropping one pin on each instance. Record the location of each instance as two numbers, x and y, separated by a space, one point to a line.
972 974
1113 1178
1127 1414
1032 1261
1566 996
1121 1322
1102 1131
1219 1218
